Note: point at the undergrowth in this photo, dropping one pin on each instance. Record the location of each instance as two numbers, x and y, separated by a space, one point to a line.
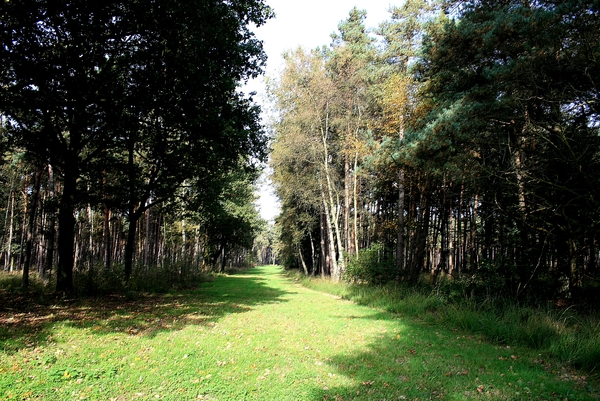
98 282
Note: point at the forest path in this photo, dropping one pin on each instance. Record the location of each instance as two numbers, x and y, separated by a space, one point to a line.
295 343
287 343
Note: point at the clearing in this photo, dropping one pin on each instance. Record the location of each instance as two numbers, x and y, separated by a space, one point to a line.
258 335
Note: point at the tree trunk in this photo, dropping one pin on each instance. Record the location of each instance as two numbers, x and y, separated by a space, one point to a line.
131 213
31 226
147 241
302 261
51 226
66 230
24 223
400 239
107 241
324 259
130 244
8 265
347 236
330 241
355 233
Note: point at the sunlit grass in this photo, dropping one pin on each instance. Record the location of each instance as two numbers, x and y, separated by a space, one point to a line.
563 334
261 336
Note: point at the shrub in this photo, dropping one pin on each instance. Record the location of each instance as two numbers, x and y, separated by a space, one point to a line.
374 265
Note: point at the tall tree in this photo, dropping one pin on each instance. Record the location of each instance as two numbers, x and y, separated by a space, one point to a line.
82 79
513 86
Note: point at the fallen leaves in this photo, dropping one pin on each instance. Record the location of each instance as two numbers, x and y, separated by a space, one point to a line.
513 357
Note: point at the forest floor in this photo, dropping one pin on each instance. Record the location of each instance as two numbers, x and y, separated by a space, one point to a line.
258 335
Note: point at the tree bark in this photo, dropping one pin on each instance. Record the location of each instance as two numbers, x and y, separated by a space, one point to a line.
66 230
8 265
31 225
51 226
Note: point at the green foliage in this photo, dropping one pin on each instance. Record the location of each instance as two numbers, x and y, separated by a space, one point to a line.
374 265
506 86
130 108
97 282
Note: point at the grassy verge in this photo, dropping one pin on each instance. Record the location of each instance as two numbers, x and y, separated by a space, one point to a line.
560 333
258 335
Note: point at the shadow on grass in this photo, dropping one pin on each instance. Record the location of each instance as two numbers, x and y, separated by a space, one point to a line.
426 362
25 322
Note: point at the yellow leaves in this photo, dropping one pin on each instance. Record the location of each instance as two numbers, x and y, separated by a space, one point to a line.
396 103
265 374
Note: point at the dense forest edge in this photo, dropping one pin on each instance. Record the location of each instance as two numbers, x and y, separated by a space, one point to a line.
457 145
130 152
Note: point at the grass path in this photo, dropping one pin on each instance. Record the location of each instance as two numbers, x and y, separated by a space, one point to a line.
258 336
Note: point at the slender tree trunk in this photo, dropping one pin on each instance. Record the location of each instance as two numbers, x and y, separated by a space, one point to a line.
24 223
8 265
347 185
107 238
339 265
355 233
147 240
130 244
324 259
31 226
330 241
222 270
183 241
66 229
302 261
91 239
131 212
6 223
401 229
313 254
51 227
400 240
41 239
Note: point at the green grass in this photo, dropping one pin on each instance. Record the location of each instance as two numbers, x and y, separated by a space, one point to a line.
563 334
260 335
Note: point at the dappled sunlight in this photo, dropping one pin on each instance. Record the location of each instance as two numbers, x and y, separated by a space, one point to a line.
144 315
258 335
418 361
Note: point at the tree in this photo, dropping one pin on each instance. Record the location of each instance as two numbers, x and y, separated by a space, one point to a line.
128 82
513 92
225 211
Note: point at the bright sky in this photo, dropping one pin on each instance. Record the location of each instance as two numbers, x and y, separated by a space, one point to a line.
307 23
